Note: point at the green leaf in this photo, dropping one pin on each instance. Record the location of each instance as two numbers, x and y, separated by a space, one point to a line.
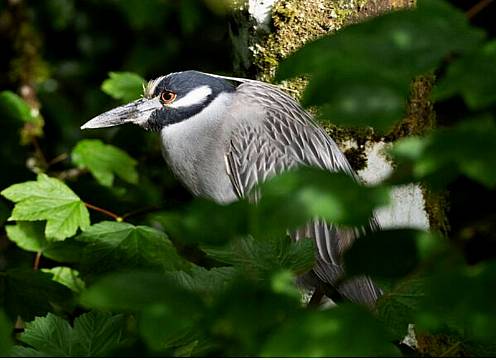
67 277
116 246
136 291
466 148
397 307
467 307
29 236
93 334
388 253
411 42
362 73
28 293
202 281
262 257
472 76
6 331
15 107
293 198
347 330
103 161
51 200
124 86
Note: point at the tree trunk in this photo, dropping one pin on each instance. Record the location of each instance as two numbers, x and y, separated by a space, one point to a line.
266 31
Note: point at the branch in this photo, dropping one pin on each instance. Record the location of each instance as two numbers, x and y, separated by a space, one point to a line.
103 211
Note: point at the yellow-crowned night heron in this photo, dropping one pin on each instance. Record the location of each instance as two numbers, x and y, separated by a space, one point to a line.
221 139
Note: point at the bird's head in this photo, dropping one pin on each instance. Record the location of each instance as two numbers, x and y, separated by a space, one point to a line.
166 100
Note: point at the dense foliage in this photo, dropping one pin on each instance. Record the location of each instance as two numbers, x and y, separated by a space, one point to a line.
103 253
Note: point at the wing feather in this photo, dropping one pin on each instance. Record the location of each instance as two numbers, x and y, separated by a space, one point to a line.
284 136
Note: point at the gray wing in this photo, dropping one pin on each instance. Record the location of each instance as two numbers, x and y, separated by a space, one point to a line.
276 134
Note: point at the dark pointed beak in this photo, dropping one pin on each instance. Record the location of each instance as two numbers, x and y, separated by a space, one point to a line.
137 112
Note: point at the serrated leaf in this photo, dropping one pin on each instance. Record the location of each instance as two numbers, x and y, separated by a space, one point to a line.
261 257
124 86
93 334
202 281
103 161
51 200
67 277
473 76
331 333
397 307
117 246
28 293
29 236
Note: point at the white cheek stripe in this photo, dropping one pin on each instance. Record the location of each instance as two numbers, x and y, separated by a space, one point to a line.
195 96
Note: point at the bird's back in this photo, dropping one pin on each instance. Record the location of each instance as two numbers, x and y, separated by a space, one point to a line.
271 134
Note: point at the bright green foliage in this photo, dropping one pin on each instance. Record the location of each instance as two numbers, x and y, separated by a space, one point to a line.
473 76
123 86
28 293
67 277
28 235
345 331
51 200
467 148
5 335
116 246
93 334
103 161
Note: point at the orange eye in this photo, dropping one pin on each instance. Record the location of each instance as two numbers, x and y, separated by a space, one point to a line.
167 97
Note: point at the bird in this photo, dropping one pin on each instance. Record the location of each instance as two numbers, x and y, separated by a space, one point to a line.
222 135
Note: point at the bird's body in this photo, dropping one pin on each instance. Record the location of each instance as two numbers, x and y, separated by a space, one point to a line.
222 140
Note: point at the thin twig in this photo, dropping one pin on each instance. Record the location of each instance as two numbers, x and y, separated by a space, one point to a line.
450 349
37 259
58 159
140 211
103 211
477 8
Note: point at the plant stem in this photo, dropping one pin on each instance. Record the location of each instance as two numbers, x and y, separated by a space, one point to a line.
474 10
103 211
37 259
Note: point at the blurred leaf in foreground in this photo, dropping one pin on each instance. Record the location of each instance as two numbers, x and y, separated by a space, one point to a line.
51 200
347 330
124 86
94 334
466 148
462 298
473 76
103 161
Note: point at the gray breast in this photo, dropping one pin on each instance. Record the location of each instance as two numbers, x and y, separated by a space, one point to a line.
195 151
